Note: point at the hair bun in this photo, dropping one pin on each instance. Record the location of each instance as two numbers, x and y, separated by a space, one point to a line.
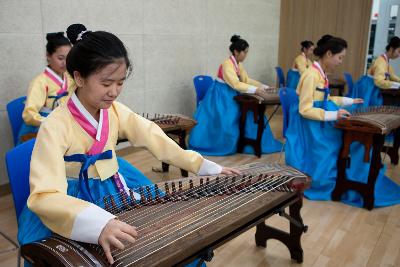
235 38
53 35
324 39
73 32
394 40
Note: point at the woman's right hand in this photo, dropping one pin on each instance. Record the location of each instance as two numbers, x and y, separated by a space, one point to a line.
113 233
343 114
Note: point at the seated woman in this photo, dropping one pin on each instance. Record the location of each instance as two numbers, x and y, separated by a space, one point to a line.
217 131
48 89
73 162
380 76
301 63
312 141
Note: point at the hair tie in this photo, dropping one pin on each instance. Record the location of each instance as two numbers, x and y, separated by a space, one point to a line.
80 35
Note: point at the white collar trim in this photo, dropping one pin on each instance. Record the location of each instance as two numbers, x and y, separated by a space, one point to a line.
55 75
97 125
316 64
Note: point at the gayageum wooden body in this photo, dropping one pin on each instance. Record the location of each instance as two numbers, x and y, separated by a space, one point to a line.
190 217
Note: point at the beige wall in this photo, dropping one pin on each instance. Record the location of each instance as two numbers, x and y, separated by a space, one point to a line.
310 19
169 42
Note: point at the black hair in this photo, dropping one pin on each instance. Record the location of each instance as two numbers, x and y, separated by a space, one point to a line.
329 43
93 50
55 40
393 43
238 44
306 45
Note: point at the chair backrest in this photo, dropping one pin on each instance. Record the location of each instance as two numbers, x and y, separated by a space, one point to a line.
18 165
201 84
350 83
14 110
288 97
280 76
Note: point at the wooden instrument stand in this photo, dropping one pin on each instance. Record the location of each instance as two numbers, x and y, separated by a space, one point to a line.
291 239
181 133
369 140
251 102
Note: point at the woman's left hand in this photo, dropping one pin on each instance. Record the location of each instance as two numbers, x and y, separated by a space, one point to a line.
358 101
230 171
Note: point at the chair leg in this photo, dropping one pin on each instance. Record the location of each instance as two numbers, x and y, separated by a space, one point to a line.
19 258
16 247
9 239
282 151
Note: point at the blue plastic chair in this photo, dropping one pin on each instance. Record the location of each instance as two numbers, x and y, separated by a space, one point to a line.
18 162
350 83
288 97
14 110
280 76
201 84
18 165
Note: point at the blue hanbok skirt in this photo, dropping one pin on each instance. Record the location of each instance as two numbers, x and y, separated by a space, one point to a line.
293 78
29 129
30 228
314 149
217 129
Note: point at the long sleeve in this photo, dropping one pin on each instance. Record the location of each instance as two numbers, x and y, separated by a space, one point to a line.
379 76
341 100
63 214
306 89
144 133
36 99
247 79
231 78
378 70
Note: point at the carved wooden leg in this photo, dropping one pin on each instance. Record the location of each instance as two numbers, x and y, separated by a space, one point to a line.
165 167
292 240
343 157
260 129
296 251
242 124
376 165
393 152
